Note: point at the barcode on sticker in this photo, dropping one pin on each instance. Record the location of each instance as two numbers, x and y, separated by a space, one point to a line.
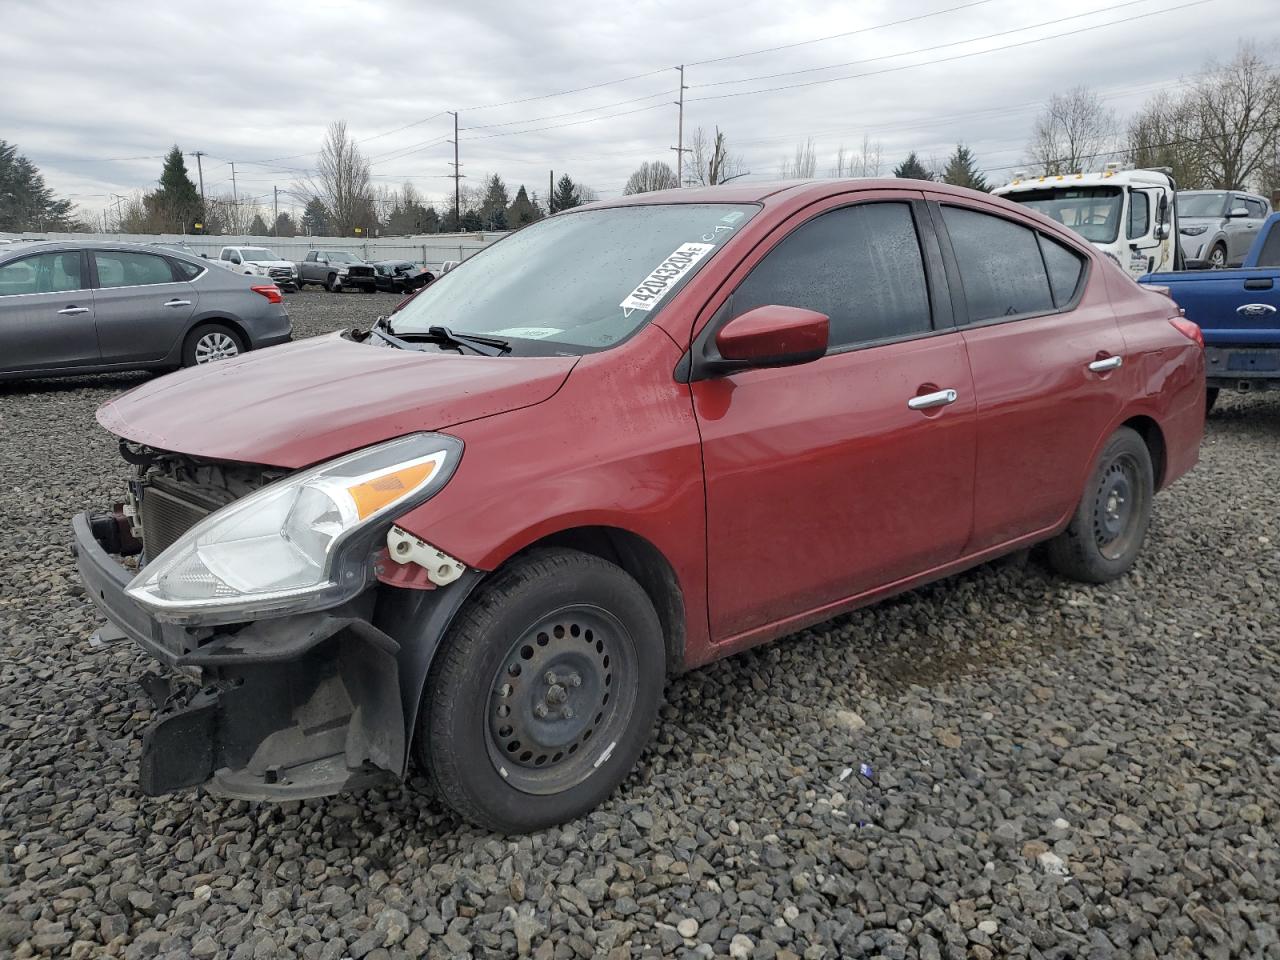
650 291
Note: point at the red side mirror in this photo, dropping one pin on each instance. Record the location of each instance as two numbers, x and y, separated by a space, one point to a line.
771 336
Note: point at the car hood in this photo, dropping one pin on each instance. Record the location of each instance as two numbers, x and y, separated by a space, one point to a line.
297 404
1182 219
271 263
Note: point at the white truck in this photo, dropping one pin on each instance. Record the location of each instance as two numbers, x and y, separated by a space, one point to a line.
260 262
1131 215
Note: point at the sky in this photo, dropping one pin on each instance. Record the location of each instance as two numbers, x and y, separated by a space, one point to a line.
96 93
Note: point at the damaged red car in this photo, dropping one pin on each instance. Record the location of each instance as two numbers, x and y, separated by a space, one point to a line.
620 443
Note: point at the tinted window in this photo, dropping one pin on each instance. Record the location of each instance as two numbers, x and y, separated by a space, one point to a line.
1139 214
1257 209
1269 255
1065 267
119 269
859 265
1000 265
44 273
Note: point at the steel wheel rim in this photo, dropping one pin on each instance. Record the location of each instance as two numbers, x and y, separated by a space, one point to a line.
560 699
1117 507
215 345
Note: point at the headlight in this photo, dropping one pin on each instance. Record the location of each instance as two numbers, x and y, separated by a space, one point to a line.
1194 230
343 271
301 543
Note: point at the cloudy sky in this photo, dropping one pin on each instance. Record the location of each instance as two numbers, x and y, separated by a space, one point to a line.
96 92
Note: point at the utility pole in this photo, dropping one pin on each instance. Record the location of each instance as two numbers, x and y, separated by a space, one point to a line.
551 192
118 200
200 170
457 176
679 148
275 209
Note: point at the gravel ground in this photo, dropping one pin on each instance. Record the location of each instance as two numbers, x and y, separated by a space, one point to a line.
1049 770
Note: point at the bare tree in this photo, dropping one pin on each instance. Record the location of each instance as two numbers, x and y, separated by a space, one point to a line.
1164 133
803 166
657 175
1075 132
1237 113
868 161
342 182
712 161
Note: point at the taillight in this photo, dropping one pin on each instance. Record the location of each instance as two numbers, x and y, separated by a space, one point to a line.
1189 329
270 291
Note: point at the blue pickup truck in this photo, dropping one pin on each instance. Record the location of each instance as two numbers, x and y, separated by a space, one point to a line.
1239 312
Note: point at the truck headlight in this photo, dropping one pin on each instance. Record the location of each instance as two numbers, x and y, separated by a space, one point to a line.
1194 230
343 271
301 543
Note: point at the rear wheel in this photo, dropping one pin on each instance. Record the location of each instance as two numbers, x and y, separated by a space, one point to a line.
1210 398
209 342
1106 534
544 693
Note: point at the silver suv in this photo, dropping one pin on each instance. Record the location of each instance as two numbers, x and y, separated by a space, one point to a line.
1218 226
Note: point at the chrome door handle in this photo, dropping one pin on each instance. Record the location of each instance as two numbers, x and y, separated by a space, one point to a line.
1255 310
1110 363
939 398
73 311
177 303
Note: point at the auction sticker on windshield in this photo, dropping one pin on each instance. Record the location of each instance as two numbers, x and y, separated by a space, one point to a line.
650 291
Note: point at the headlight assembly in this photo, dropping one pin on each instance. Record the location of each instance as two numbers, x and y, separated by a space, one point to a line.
302 543
1195 230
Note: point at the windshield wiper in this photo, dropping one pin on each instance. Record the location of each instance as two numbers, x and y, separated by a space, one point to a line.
476 343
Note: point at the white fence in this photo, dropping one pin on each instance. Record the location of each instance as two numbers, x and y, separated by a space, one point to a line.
431 249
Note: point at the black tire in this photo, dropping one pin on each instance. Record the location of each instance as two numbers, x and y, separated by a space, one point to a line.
1210 398
1218 257
210 342
1106 534
335 283
494 681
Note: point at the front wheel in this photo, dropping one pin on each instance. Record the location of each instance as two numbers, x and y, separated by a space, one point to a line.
544 693
1218 257
335 283
1105 535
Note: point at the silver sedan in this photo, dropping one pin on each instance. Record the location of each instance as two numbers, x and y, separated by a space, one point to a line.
96 306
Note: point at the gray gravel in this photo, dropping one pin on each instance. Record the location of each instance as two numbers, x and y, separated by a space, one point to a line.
1051 771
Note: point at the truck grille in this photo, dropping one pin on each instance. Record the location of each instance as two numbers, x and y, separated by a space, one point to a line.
167 511
279 273
360 271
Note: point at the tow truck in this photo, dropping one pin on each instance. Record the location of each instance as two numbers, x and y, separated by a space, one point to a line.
1131 215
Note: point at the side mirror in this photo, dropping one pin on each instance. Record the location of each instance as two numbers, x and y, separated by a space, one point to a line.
1237 212
769 336
235 258
1162 231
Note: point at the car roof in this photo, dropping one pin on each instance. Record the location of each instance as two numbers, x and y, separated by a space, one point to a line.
771 190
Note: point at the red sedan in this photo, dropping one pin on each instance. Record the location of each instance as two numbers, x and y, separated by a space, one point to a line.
622 442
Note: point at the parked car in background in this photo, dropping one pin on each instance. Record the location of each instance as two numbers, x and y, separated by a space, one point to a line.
336 270
1239 312
1219 226
260 262
91 307
483 532
448 265
401 276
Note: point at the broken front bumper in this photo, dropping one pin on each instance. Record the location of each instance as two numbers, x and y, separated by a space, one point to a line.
283 708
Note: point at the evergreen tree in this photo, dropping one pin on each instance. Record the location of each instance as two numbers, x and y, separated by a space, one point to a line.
285 227
912 169
962 170
493 208
315 219
176 205
471 220
25 202
566 196
258 228
522 210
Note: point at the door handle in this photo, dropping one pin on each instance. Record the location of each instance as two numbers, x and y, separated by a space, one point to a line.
73 311
939 398
1109 363
1259 283
177 303
1255 310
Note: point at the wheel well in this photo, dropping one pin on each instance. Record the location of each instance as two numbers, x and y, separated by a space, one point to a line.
231 325
1153 437
646 564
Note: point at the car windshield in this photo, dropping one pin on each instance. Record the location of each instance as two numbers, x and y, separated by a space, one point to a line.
1092 212
340 256
1201 204
257 253
577 282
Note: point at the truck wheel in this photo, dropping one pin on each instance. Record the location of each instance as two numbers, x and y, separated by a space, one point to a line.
1218 257
1210 398
335 283
544 692
1105 535
209 342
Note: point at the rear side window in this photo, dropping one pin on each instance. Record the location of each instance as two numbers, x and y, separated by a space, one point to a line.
44 273
187 271
1257 208
1065 268
117 268
1139 214
1001 269
859 265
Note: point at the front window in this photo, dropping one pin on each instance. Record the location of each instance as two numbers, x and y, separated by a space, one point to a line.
341 256
577 282
1092 212
1139 215
258 254
1201 204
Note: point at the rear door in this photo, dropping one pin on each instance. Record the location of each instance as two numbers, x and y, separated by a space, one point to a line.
142 305
1047 358
822 483
46 313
